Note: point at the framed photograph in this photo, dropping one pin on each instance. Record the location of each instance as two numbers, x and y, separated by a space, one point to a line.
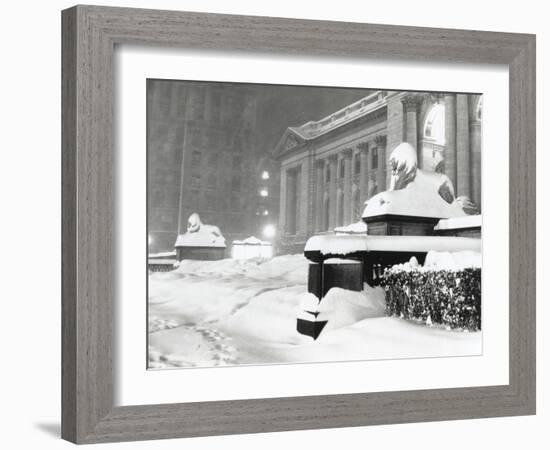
278 224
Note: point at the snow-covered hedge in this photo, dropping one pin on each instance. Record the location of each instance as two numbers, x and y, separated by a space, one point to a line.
448 297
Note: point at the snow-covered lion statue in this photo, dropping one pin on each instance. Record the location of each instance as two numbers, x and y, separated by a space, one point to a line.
200 234
194 225
413 191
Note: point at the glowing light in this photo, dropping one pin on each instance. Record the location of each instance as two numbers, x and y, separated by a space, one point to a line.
265 175
149 239
264 192
266 212
269 231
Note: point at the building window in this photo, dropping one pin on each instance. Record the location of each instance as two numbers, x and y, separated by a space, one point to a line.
215 107
374 158
236 183
196 180
235 202
213 160
193 199
196 158
434 128
212 179
237 161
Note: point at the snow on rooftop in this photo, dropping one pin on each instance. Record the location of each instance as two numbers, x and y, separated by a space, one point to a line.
345 244
419 198
459 222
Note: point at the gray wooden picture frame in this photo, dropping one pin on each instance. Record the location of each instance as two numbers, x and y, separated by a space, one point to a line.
90 34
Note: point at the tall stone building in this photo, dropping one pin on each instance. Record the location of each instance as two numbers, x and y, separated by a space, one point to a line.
330 167
201 158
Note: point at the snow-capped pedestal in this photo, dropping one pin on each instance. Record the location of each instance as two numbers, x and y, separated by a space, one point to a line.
201 241
161 262
376 253
415 201
251 248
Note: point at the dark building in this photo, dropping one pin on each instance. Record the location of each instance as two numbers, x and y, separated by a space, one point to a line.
209 150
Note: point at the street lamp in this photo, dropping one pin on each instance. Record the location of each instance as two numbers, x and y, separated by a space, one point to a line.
269 231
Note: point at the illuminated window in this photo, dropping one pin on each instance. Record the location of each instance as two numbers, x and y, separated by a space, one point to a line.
434 128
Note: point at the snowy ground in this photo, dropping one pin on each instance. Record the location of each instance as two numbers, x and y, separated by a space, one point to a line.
209 313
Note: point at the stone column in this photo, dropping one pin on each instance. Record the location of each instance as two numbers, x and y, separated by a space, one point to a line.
475 142
373 177
283 201
382 163
450 137
319 194
463 169
346 154
332 166
364 176
297 199
395 124
291 204
410 106
305 219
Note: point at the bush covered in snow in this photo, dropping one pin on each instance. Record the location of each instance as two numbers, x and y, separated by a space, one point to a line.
448 297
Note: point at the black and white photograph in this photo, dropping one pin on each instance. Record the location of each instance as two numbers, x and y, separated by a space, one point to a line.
294 224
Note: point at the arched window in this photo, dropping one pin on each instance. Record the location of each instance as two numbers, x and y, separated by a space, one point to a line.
434 127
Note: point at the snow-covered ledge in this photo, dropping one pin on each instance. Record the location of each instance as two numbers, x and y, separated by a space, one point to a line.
454 223
346 244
